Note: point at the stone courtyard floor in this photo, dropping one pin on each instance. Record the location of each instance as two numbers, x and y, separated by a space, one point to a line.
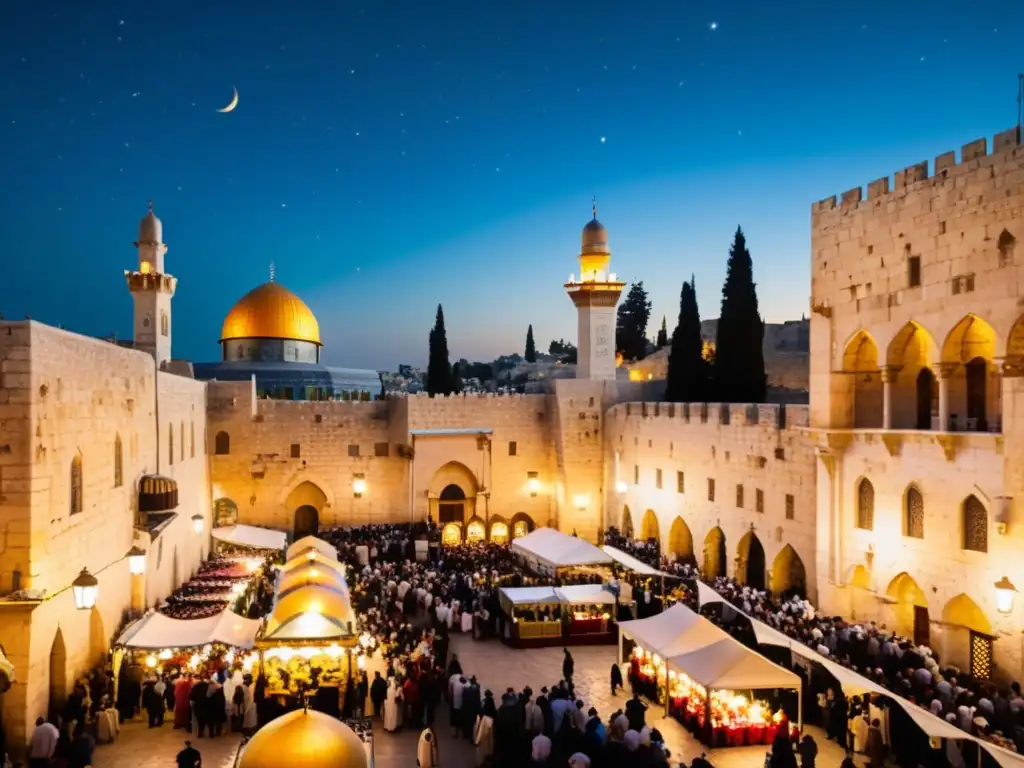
496 667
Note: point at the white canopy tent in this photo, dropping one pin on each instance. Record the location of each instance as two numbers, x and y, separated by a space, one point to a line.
631 563
553 549
585 594
306 543
251 536
156 631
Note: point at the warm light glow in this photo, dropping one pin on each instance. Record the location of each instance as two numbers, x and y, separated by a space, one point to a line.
151 661
334 651
621 486
1005 594
85 589
358 486
165 654
581 501
312 554
145 267
533 484
361 661
198 523
238 588
194 661
136 561
229 658
252 564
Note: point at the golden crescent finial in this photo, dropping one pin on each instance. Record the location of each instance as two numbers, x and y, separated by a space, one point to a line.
594 201
271 271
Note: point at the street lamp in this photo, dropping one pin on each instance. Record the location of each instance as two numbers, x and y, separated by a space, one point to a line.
358 486
84 589
621 486
532 483
1005 593
198 523
136 560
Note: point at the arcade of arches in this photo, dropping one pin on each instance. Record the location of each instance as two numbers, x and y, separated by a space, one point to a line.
455 508
649 527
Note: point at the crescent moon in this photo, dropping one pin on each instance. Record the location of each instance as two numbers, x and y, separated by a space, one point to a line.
234 102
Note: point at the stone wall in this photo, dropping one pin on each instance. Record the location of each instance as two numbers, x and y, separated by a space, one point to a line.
667 455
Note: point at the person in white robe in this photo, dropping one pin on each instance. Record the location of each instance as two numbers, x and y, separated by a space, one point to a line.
393 706
483 737
249 720
427 753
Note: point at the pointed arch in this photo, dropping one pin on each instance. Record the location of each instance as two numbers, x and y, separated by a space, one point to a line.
680 540
76 502
788 574
975 525
913 512
865 501
750 561
914 392
99 642
222 444
910 608
860 361
911 346
58 673
970 338
649 528
306 493
964 612
499 530
859 577
454 473
522 524
118 462
715 554
627 522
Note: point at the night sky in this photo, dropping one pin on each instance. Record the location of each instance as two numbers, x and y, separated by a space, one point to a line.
390 155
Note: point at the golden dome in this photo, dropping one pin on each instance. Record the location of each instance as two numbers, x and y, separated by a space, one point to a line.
595 237
271 311
304 738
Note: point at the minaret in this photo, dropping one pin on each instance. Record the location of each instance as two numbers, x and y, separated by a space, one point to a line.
595 295
152 291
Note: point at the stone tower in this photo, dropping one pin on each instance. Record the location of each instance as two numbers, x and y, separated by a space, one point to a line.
595 295
152 290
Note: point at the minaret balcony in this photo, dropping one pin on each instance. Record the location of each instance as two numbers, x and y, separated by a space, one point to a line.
150 281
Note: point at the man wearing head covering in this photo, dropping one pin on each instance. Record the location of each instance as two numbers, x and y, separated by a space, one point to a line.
427 753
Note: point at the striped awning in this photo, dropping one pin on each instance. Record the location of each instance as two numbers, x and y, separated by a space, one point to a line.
157 493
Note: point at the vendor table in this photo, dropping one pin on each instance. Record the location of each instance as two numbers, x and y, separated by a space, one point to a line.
590 626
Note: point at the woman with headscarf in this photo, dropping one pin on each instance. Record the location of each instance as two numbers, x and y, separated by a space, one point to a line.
427 753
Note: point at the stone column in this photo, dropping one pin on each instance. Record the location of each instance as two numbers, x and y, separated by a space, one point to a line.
889 375
944 372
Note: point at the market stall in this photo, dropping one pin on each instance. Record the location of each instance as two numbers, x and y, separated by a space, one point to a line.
707 679
250 537
307 543
546 550
547 616
590 609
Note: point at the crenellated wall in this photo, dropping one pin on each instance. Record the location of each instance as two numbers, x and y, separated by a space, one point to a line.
668 454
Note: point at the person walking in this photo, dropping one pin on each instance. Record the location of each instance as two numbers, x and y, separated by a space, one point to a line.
378 694
568 666
427 753
189 757
616 678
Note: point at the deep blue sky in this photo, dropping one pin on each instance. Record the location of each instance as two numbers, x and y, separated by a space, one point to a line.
388 156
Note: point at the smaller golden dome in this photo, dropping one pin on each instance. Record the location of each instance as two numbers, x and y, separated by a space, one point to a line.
271 311
304 738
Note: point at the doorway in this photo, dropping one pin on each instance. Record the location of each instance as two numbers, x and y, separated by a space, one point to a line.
925 393
921 629
750 562
976 395
307 521
451 504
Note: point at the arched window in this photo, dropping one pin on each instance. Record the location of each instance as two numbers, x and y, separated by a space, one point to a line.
118 462
191 439
975 525
913 512
170 443
222 444
866 505
181 450
165 324
75 505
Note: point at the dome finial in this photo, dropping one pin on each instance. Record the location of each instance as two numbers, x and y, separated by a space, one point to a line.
151 205
271 271
594 201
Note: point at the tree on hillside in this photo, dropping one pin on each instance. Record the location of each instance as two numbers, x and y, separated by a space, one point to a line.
564 350
687 369
456 378
631 324
439 370
531 349
662 340
739 356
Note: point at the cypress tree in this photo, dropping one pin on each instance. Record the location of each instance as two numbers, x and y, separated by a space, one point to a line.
739 355
662 340
687 369
631 323
439 370
531 349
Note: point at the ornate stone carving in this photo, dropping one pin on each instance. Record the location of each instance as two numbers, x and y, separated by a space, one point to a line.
975 525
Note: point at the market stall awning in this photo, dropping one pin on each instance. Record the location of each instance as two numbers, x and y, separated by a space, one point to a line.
555 549
311 574
673 632
631 563
251 536
156 631
529 595
304 558
307 543
310 613
730 665
585 594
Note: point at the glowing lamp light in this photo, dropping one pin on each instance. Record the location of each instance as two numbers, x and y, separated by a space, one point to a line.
238 588
533 484
312 555
165 654
361 661
85 588
151 661
136 561
198 523
358 486
581 501
621 486
1005 594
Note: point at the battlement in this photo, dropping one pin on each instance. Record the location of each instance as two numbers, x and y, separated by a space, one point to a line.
741 414
945 167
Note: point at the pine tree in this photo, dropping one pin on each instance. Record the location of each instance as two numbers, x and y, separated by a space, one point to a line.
631 323
531 349
739 355
687 369
439 370
662 340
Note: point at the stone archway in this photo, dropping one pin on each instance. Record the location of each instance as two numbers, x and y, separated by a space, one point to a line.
969 351
499 531
627 522
306 502
750 561
451 505
680 540
910 608
788 574
715 554
452 494
522 524
968 636
225 513
58 673
475 531
860 360
649 528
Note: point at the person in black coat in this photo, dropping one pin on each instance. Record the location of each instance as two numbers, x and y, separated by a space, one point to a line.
378 693
636 713
616 678
470 708
568 665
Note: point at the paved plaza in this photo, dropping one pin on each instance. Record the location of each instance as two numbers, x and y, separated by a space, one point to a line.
496 667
